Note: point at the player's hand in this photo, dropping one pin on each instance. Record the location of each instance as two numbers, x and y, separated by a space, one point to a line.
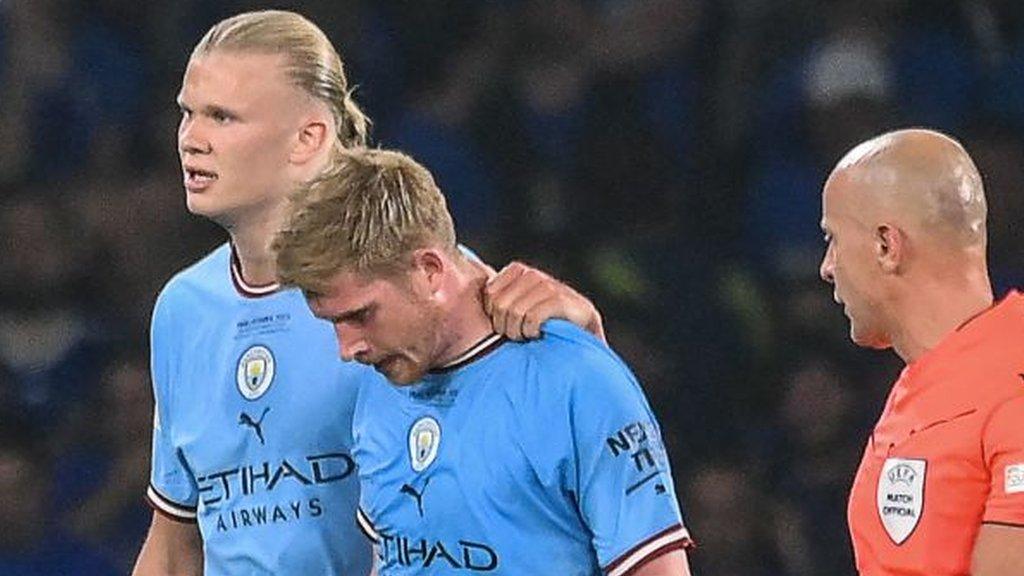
483 267
520 298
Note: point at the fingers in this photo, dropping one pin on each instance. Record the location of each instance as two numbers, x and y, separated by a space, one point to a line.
531 310
509 276
539 312
517 292
484 267
520 298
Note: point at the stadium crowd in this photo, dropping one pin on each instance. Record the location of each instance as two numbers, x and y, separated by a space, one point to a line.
664 156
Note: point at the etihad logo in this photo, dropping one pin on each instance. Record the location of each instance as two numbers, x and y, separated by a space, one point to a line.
398 550
247 480
266 514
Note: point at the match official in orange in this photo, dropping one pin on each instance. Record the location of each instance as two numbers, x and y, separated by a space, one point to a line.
940 489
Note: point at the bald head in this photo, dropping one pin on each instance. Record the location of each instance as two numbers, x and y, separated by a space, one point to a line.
922 179
904 220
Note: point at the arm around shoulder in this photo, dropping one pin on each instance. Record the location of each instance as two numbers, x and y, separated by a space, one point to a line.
172 548
520 299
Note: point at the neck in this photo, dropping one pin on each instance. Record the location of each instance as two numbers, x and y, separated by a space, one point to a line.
466 322
938 306
251 239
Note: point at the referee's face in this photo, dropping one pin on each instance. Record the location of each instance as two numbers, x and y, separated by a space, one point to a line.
850 264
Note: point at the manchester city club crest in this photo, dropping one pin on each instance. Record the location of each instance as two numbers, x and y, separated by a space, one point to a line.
424 440
901 496
255 372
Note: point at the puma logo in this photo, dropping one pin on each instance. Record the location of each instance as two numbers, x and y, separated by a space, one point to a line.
418 496
256 425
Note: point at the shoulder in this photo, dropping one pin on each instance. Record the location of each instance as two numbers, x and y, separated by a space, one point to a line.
1004 417
204 284
566 360
562 332
569 349
990 363
994 381
210 275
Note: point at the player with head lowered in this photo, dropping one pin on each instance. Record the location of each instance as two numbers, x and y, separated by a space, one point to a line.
486 455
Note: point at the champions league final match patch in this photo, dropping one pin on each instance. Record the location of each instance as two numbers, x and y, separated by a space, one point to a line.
255 372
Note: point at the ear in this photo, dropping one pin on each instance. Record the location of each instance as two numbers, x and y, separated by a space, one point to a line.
890 248
431 268
312 138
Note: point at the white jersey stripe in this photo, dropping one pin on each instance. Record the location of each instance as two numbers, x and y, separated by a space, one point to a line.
168 506
366 526
468 354
246 289
671 539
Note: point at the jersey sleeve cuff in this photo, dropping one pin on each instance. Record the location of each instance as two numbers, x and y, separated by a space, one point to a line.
673 538
1003 516
366 526
169 508
1007 524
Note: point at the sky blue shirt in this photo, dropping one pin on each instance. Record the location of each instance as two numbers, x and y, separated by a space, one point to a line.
252 431
523 458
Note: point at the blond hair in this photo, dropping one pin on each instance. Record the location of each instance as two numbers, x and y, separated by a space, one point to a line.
366 213
311 62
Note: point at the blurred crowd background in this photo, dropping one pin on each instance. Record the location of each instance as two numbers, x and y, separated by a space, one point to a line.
665 156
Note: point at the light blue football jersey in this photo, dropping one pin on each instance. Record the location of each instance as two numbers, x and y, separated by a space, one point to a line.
252 431
523 458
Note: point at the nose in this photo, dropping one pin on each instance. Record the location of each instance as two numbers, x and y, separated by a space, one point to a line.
191 139
351 343
827 268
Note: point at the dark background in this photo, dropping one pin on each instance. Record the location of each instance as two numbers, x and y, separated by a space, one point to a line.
665 156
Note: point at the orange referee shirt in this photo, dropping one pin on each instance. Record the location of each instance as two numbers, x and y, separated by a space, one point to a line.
947 454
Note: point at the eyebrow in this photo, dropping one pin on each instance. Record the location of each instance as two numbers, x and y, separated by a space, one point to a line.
209 108
215 108
351 314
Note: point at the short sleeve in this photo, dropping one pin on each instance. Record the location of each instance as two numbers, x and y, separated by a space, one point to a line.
1003 439
172 489
622 474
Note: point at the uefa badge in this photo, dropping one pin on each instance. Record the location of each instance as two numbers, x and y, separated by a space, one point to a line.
255 372
424 440
901 496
